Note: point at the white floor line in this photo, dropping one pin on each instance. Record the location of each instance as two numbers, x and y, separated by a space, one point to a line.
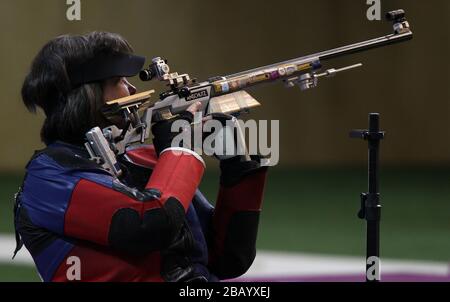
7 246
283 264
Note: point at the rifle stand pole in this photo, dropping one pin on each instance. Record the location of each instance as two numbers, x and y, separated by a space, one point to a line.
370 201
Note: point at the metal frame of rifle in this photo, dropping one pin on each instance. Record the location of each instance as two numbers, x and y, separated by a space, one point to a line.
302 71
227 94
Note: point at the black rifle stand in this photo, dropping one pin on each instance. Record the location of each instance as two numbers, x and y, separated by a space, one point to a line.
370 201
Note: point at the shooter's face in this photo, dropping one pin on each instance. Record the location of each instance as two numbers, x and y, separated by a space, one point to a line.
116 88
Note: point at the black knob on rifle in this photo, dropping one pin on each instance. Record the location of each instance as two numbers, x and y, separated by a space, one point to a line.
184 92
396 15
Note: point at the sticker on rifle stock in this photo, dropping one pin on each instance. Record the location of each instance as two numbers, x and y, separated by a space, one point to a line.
281 71
234 85
290 69
274 74
225 86
197 95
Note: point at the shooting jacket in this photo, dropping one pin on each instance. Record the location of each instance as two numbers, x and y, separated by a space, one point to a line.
151 224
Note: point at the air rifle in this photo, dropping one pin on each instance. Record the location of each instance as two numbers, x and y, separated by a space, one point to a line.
227 94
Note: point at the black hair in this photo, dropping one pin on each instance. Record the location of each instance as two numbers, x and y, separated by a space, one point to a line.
70 111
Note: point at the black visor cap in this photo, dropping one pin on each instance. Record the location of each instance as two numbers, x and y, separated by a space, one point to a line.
105 66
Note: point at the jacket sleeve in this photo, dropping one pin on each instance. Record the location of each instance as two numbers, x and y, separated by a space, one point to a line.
232 246
104 211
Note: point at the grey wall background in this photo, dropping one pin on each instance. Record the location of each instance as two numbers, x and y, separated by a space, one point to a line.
407 83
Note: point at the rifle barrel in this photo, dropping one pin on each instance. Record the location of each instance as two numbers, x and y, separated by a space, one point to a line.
290 68
336 52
